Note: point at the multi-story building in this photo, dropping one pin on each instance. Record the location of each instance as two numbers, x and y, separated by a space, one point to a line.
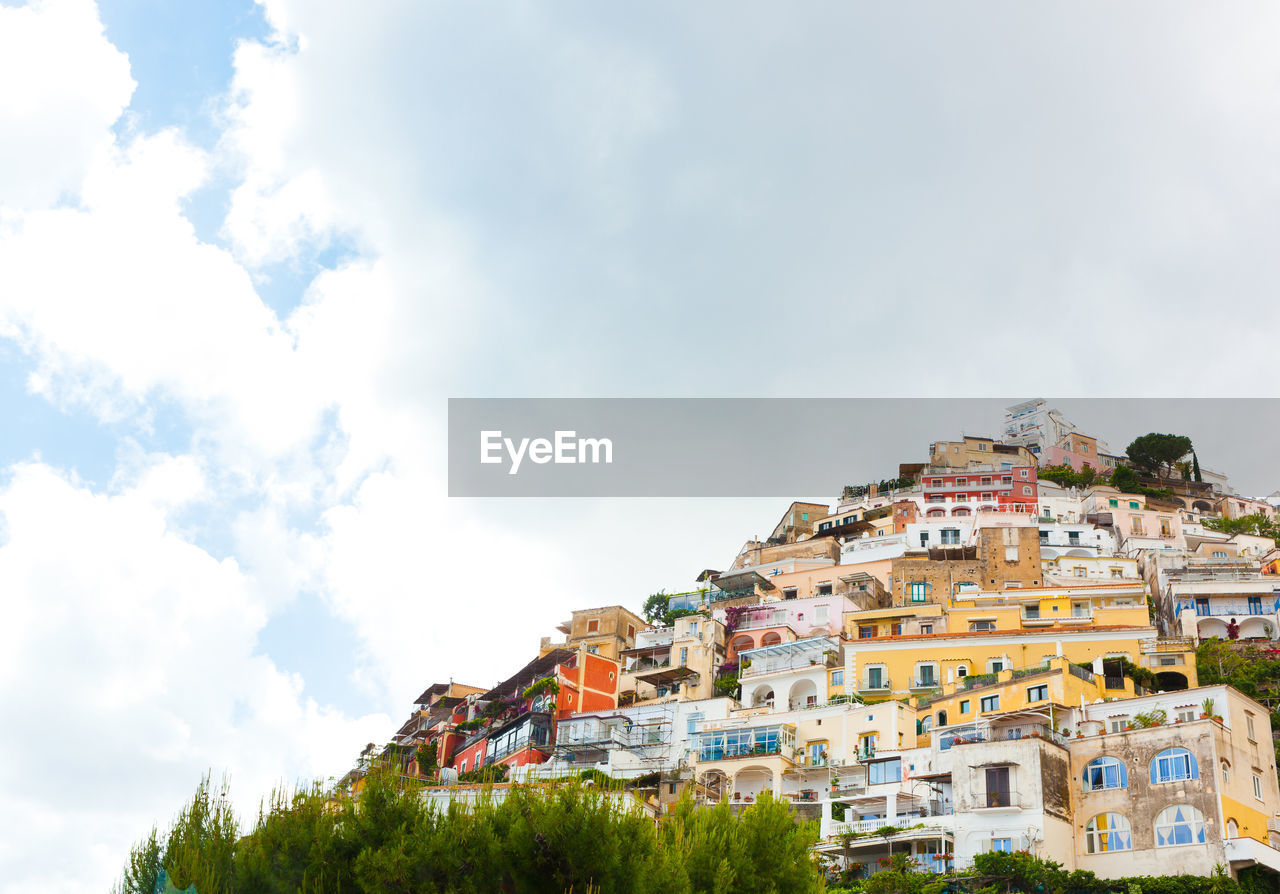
677 662
1207 595
954 493
606 631
776 622
973 451
1075 539
1160 784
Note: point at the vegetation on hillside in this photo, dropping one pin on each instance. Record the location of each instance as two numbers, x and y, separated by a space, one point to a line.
1000 873
571 837
1253 671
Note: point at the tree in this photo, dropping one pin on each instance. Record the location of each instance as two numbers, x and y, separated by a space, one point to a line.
1195 467
655 608
1256 523
1156 452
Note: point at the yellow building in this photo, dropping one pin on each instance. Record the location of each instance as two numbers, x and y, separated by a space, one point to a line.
897 667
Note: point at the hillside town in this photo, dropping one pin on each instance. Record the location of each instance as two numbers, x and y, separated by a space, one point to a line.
991 648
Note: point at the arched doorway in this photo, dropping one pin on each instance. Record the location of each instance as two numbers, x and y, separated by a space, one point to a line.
1171 681
772 638
803 694
762 696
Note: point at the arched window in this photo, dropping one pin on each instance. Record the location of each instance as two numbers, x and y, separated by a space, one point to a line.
926 724
1179 824
942 718
1105 772
1107 832
962 670
1226 771
1233 829
1173 765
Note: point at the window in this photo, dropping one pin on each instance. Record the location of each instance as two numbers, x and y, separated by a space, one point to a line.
964 706
866 632
1079 571
1248 725
1114 503
1003 845
995 665
824 588
1107 832
694 719
975 626
884 771
1226 771
1006 480
788 592
1133 504
594 650
804 516
1219 554
1118 724
1257 786
875 677
998 792
1166 527
1186 716
924 538
1103 773
1038 693
927 674
837 678
961 481
962 671
1179 824
1026 491
684 657
919 591
985 482
1173 765
950 536
1116 572
986 496
1073 538
1022 473
991 703
593 626
1135 524
631 631
926 629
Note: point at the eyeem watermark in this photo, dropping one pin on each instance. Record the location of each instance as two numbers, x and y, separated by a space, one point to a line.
564 448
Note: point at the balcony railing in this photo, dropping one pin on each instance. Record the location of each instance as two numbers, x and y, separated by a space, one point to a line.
1218 609
865 826
1168 644
1000 800
925 683
884 684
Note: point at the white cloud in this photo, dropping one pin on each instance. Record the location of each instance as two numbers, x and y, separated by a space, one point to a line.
131 669
62 86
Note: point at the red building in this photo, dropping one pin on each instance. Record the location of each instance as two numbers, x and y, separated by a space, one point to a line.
520 729
960 492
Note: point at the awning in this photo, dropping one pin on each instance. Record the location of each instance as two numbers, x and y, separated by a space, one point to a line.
666 676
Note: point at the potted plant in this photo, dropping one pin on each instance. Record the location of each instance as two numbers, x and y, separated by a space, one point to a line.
1206 709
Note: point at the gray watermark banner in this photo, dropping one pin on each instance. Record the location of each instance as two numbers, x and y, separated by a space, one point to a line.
789 447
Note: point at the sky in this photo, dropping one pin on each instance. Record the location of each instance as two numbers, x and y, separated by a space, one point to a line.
249 250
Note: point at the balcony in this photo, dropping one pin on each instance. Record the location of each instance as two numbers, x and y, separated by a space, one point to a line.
1222 608
871 826
924 684
1007 801
822 651
877 686
747 743
1168 644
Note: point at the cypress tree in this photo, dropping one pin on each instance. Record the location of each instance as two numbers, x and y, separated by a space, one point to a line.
1195 467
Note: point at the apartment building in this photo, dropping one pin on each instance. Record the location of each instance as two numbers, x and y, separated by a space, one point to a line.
606 631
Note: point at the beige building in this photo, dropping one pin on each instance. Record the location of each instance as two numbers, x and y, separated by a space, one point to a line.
677 662
605 631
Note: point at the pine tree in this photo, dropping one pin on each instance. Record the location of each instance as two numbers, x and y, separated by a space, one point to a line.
1195 467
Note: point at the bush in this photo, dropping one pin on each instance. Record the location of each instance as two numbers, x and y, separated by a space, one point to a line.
550 838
